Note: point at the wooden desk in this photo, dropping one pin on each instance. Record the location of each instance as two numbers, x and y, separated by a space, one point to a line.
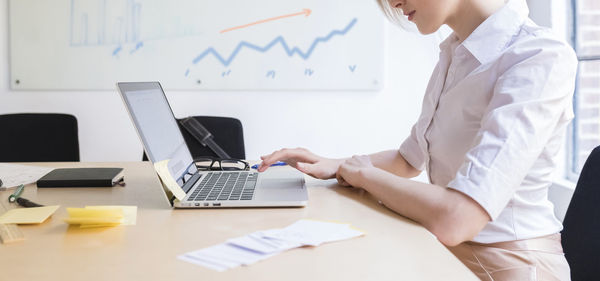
393 249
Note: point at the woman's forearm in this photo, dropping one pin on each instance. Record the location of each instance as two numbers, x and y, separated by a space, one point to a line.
393 162
450 215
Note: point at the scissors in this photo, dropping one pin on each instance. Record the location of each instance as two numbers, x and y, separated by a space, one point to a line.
16 197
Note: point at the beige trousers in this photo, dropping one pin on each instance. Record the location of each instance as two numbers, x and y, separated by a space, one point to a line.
539 259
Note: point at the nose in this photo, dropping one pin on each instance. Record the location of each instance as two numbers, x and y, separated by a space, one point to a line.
397 3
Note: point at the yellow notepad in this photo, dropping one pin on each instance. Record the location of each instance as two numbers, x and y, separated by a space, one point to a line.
28 215
101 216
129 212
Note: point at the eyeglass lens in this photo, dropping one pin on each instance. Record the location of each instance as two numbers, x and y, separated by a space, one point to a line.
220 164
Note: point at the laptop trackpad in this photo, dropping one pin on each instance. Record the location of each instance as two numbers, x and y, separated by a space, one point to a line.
282 189
281 183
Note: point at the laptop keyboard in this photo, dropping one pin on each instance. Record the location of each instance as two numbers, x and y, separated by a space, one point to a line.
225 186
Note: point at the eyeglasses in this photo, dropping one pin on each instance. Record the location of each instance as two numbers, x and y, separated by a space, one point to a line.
218 164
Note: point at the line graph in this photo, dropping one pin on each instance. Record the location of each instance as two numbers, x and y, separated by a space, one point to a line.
278 40
268 44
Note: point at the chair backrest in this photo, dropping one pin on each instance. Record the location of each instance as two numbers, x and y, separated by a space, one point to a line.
227 132
581 233
38 137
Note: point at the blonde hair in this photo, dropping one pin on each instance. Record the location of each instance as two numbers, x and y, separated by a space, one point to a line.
395 15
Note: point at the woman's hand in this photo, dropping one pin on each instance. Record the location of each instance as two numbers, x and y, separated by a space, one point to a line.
303 160
352 171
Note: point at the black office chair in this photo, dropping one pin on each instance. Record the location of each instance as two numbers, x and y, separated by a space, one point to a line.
581 233
227 133
38 137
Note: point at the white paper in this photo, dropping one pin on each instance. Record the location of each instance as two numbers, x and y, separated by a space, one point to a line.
344 234
200 261
257 246
314 233
262 244
223 256
228 252
12 175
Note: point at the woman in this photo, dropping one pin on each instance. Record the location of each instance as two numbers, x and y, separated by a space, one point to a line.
491 126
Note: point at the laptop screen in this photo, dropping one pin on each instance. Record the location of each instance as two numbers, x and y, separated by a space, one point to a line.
157 127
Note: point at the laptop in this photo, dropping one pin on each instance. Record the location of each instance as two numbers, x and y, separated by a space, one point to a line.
157 128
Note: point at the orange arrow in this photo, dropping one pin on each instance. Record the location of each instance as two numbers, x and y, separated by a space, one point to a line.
305 12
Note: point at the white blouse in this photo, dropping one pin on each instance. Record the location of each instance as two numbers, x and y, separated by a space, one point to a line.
493 119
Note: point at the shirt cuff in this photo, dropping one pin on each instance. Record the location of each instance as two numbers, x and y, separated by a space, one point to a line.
476 183
412 153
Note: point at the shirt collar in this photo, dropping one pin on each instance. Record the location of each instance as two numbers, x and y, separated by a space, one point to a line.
445 45
492 36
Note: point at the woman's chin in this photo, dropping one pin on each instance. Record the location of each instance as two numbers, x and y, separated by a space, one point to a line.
427 29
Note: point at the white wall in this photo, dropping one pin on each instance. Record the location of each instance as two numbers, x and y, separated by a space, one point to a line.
331 123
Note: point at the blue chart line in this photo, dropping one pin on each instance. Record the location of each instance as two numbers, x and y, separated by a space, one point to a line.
279 39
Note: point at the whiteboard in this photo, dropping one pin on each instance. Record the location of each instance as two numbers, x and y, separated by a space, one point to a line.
197 45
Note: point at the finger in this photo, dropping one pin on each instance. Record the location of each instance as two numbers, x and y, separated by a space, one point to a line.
266 155
303 167
355 160
338 175
350 161
272 158
290 156
309 169
319 170
269 159
262 167
341 181
306 168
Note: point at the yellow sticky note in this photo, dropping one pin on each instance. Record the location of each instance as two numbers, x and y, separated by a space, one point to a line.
98 225
91 213
102 216
28 215
163 172
94 217
99 220
129 212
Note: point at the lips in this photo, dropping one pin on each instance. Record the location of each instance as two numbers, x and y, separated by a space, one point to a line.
410 15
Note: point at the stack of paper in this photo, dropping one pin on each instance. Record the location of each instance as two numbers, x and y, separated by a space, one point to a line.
102 216
260 245
13 175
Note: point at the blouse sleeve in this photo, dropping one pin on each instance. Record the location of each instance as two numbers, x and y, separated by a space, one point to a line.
411 151
532 99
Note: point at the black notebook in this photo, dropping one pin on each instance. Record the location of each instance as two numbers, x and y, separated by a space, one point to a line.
81 177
